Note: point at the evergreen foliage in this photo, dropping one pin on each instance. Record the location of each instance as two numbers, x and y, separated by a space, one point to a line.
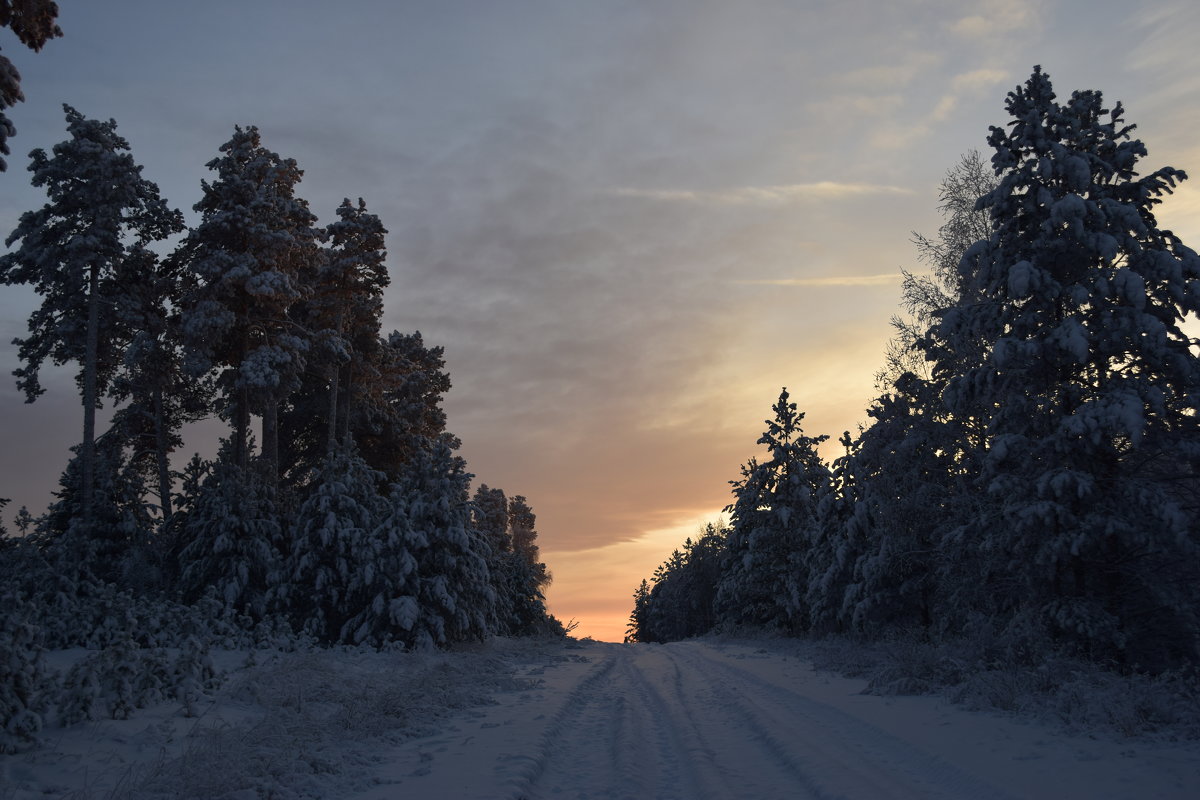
1028 478
33 21
232 541
775 505
252 257
338 544
456 599
75 252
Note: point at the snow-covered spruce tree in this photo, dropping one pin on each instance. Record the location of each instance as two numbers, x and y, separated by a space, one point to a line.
252 257
33 21
678 603
638 616
1091 387
489 520
121 523
336 550
456 600
23 676
764 582
907 489
72 251
231 541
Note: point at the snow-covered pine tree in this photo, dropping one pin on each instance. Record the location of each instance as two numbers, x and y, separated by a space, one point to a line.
456 599
72 251
343 314
763 582
252 257
33 21
158 397
336 550
396 408
349 304
1091 384
489 515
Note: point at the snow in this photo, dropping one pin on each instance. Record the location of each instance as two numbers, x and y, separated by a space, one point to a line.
540 718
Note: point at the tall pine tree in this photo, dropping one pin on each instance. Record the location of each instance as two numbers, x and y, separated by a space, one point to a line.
72 252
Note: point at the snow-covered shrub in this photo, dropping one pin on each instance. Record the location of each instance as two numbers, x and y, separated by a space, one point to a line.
23 677
113 682
193 674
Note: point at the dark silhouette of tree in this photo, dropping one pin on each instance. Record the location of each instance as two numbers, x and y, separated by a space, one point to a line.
74 252
34 23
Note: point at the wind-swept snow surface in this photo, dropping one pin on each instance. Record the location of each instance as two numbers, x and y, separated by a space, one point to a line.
543 719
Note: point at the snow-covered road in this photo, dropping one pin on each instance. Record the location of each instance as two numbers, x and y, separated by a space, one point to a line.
706 720
548 719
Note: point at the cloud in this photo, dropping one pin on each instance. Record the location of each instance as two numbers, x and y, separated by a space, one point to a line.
889 76
995 17
765 195
831 280
965 85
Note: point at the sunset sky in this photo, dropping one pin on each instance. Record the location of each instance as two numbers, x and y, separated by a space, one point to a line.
628 222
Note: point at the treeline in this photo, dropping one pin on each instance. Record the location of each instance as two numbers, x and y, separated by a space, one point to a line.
1028 479
349 521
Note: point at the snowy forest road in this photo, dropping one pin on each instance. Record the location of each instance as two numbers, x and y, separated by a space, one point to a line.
699 719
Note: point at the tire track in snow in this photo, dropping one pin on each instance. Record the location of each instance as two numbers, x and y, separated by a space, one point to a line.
521 787
833 753
613 738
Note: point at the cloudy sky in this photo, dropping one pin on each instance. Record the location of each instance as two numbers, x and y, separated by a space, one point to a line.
629 222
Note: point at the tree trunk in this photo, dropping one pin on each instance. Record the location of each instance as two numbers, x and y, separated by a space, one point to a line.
331 437
87 452
160 453
331 442
346 404
241 423
270 442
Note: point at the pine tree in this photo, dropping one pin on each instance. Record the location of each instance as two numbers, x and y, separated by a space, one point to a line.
253 257
33 21
775 505
72 252
1089 384
159 398
349 304
397 403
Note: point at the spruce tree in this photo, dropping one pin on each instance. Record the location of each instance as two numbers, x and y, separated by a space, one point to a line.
456 600
72 252
764 581
1089 386
231 543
